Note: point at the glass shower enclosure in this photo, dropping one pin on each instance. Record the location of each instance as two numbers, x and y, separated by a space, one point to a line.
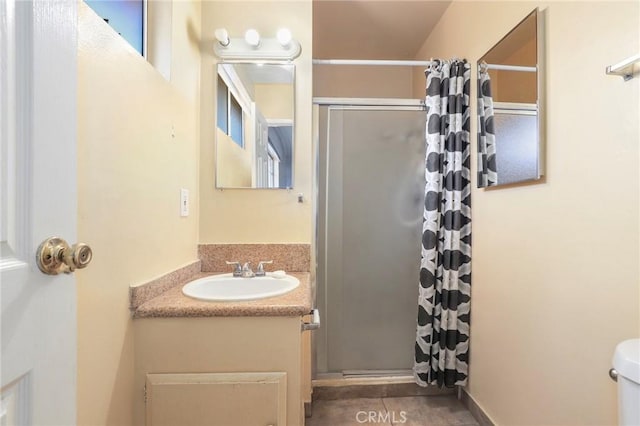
369 226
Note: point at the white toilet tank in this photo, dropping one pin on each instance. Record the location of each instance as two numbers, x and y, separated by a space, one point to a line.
626 362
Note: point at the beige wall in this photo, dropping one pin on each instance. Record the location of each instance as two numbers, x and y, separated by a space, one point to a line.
343 81
274 100
173 43
137 146
555 264
235 172
256 215
517 86
158 48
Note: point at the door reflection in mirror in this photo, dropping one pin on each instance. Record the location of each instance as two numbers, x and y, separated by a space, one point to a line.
255 126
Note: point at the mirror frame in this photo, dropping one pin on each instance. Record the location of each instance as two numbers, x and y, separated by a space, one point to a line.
217 183
540 102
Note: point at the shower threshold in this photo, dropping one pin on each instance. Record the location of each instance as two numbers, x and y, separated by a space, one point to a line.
377 373
371 384
363 378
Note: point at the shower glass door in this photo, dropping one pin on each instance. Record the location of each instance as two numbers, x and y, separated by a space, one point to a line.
371 197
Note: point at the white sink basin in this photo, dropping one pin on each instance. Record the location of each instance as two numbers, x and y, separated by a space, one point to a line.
227 288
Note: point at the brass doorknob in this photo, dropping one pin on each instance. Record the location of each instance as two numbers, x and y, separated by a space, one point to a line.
55 255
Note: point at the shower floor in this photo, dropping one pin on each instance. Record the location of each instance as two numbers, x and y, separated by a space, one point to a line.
444 410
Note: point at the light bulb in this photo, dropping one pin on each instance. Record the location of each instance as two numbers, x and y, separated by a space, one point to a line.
223 36
284 36
252 37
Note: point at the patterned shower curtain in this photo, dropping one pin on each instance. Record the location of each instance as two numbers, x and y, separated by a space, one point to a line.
442 340
487 174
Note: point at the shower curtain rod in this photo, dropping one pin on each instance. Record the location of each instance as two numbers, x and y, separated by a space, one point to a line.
371 62
411 64
511 68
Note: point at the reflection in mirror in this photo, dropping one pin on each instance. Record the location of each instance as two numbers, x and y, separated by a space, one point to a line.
255 120
509 107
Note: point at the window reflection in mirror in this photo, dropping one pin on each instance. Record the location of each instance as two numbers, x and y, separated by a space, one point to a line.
255 125
509 107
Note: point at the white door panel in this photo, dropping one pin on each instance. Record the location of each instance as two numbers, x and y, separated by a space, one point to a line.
38 84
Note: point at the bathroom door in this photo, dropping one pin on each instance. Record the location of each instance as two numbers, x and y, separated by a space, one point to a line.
371 201
38 199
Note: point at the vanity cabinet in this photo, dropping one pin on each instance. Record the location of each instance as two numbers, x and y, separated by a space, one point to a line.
219 371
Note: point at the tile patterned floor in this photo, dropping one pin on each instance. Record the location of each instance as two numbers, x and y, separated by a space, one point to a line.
405 411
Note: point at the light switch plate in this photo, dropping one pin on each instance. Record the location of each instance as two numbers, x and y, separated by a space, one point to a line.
184 202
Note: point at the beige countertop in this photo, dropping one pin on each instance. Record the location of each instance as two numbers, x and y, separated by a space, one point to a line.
172 303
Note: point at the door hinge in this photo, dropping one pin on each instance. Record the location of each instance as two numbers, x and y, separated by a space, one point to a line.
145 393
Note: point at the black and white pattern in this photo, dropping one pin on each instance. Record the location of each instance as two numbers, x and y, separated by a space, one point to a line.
487 172
442 340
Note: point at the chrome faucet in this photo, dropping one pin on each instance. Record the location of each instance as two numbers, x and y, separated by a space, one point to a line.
260 271
237 269
246 271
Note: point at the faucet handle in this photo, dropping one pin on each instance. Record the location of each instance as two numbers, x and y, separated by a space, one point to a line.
237 269
260 271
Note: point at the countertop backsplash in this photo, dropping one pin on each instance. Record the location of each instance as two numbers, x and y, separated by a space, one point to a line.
286 257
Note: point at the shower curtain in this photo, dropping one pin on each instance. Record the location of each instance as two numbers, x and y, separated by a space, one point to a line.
442 338
487 174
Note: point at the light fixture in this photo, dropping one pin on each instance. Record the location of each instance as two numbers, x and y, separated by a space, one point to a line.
282 47
252 37
284 36
222 36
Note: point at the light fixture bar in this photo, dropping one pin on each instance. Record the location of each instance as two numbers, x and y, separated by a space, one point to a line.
253 47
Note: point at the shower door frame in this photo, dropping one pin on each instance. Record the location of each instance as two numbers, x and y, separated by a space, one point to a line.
320 338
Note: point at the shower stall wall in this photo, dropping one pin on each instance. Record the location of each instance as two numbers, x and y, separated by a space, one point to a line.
370 204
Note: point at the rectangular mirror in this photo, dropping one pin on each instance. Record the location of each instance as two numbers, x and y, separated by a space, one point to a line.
510 113
255 125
